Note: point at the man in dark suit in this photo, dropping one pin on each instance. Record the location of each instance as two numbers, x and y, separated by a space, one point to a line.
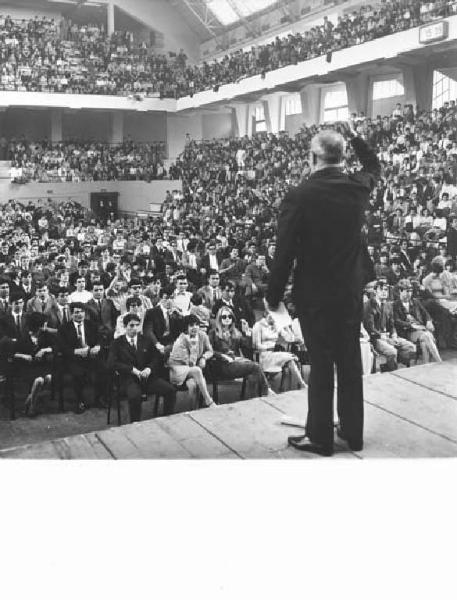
79 342
235 303
60 312
161 324
133 356
102 311
13 322
43 301
320 225
209 261
413 322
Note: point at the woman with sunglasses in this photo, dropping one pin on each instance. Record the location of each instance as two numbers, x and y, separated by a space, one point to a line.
265 338
228 344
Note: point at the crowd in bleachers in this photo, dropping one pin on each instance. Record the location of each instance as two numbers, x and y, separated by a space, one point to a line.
85 161
194 278
45 56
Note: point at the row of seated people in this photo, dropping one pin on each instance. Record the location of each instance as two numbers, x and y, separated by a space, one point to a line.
85 161
397 329
41 55
92 339
174 339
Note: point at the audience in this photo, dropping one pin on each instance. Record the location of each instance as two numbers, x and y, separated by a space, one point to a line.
41 55
85 161
209 251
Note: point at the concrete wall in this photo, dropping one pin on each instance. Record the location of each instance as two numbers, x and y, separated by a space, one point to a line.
133 195
146 127
385 106
217 125
177 127
33 123
86 125
293 123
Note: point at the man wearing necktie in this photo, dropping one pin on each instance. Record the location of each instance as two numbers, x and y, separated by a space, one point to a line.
101 311
134 357
79 341
12 321
4 294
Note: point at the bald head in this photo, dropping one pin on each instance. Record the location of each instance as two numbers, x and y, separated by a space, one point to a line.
328 146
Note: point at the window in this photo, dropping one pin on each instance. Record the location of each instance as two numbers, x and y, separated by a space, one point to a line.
292 104
335 104
444 89
260 122
230 11
387 89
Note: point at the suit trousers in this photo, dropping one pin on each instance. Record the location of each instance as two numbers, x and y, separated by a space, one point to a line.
87 371
332 336
133 388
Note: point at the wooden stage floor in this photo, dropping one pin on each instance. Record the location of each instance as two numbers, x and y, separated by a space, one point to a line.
411 413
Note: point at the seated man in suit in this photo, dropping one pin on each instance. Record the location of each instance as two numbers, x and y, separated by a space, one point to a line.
414 323
43 301
161 324
13 322
133 356
378 320
212 291
79 342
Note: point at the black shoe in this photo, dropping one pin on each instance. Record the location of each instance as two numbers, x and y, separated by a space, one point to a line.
80 408
354 446
303 443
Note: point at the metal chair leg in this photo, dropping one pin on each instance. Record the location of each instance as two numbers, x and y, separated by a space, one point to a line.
283 378
118 405
12 398
243 388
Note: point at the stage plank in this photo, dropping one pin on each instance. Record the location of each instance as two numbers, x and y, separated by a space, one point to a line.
440 377
424 407
389 436
45 450
141 440
195 439
252 428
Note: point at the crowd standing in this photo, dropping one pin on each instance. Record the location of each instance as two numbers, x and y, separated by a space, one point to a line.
43 55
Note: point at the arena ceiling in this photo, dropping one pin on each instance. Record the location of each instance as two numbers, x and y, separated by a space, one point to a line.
214 17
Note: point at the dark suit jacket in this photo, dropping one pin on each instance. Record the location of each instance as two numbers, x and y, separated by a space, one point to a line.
68 339
320 226
378 319
8 325
154 327
416 310
35 305
108 315
54 316
239 309
204 264
122 357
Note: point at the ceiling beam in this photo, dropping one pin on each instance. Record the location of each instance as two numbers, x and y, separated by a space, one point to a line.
205 17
